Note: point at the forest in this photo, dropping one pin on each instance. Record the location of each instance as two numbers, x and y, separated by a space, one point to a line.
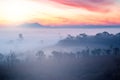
98 63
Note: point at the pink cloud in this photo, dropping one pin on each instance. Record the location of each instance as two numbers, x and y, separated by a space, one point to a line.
91 5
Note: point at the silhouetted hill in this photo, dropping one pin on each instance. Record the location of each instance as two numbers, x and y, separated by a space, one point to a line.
104 39
37 25
33 25
88 26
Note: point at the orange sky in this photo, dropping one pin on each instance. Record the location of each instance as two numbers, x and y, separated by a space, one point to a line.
60 12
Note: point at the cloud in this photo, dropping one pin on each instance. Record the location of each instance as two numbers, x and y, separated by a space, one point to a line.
91 5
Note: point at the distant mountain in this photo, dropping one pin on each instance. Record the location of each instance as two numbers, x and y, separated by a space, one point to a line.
89 26
37 25
32 25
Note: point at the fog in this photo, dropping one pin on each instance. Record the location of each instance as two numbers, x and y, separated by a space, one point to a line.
50 54
38 38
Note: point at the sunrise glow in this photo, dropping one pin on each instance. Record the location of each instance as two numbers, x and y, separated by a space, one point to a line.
59 12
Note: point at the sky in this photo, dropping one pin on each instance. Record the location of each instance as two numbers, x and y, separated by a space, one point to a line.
60 12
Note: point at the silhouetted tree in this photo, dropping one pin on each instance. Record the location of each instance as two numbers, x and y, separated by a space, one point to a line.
84 53
96 52
11 58
57 54
70 37
116 51
78 54
108 52
83 35
21 36
1 58
40 54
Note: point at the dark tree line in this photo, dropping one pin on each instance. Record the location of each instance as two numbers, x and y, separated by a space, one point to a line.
87 52
104 39
12 57
86 64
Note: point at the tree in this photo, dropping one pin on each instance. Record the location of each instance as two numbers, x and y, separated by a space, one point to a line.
11 58
40 54
20 36
96 52
1 58
70 37
83 35
116 51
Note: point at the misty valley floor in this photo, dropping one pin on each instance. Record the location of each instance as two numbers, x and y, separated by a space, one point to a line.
98 59
85 68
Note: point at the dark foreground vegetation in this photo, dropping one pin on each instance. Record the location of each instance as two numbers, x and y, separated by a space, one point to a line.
96 64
